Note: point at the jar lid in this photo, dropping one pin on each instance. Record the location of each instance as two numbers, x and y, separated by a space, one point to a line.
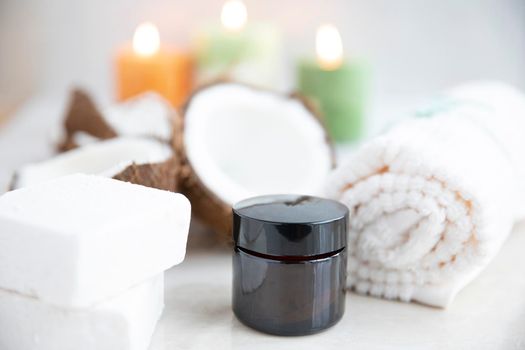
290 225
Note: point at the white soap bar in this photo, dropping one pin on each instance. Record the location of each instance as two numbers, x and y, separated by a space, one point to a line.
125 322
80 239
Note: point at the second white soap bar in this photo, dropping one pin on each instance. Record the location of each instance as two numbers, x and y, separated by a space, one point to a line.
80 239
125 322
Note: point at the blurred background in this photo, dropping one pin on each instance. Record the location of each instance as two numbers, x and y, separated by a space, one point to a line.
414 47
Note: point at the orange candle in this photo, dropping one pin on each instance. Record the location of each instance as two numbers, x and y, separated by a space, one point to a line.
146 65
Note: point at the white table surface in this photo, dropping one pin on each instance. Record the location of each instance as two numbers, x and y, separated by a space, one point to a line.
488 314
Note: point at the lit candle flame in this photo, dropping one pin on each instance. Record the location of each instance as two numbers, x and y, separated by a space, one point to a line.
329 47
146 40
234 15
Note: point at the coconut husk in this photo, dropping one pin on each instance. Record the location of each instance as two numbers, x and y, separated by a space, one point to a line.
206 206
163 176
83 116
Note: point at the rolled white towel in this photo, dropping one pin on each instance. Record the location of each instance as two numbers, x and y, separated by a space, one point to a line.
432 200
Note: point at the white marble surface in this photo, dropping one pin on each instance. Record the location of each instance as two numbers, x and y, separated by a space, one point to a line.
487 314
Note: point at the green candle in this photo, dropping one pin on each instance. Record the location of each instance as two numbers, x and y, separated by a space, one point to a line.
237 50
338 88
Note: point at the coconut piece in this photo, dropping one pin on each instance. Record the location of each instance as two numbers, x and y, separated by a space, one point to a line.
141 161
240 142
147 115
84 116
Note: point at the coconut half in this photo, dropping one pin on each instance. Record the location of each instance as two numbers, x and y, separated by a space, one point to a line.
147 115
141 161
241 142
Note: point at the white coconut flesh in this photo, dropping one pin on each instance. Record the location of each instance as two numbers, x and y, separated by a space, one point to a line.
145 115
243 142
82 138
105 158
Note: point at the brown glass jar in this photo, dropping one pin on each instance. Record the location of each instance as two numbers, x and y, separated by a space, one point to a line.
289 263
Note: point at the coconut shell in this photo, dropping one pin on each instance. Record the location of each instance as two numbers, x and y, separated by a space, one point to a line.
83 116
316 112
206 206
163 176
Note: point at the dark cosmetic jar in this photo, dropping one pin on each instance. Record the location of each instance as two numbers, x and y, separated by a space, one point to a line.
289 263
